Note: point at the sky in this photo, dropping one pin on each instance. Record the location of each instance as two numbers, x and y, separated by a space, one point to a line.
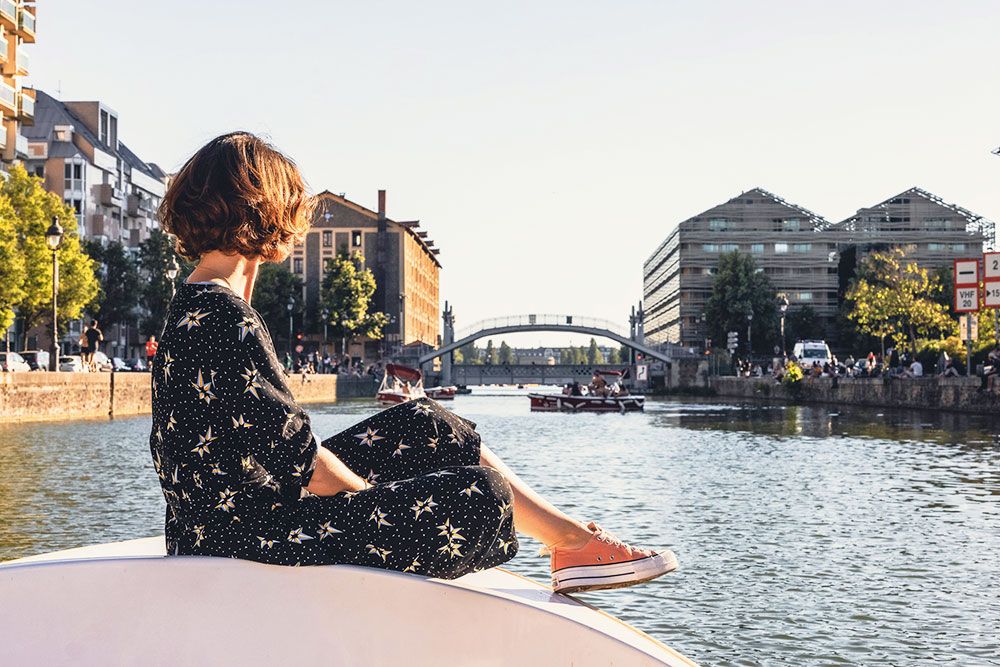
549 146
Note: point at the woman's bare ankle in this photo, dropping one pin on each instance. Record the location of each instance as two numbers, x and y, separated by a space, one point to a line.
575 536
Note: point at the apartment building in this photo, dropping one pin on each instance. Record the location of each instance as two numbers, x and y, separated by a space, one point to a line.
789 243
76 149
400 254
933 232
17 104
806 257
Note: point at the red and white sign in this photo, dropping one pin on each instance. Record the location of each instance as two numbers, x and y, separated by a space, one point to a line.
991 278
966 299
966 272
966 285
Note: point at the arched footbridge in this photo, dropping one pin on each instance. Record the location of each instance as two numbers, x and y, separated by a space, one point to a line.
523 323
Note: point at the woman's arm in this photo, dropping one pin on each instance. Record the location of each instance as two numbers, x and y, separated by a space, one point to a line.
331 476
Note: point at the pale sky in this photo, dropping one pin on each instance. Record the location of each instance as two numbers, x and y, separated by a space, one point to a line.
549 147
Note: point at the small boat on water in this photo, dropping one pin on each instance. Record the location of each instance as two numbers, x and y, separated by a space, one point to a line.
607 393
126 603
402 383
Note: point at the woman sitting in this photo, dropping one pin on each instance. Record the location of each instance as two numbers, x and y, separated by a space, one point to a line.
411 488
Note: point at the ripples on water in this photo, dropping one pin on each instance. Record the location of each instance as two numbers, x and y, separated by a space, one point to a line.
806 535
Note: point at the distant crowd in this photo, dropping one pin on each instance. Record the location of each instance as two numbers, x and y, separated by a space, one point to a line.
326 364
894 364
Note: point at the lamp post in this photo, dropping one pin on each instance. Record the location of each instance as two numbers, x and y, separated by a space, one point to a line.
291 307
749 344
173 268
53 238
783 307
325 314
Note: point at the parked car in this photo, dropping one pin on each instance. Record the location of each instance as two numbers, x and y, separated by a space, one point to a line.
72 363
101 362
137 365
37 359
12 361
808 351
118 365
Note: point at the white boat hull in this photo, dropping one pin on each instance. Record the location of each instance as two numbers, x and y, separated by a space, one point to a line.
126 604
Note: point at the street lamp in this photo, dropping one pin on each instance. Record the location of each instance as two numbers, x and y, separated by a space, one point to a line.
325 314
749 345
291 307
53 238
783 307
173 268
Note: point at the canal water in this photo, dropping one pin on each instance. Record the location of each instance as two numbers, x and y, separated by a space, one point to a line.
806 535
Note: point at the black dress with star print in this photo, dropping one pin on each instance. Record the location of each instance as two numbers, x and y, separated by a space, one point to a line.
233 452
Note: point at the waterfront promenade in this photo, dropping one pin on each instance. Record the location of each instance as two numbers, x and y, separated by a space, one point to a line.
55 396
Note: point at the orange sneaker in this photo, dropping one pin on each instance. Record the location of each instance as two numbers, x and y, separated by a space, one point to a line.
606 562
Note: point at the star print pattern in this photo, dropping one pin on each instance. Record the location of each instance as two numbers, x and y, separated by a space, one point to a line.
234 452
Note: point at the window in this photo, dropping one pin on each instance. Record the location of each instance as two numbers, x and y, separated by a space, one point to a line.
297 265
710 247
40 171
802 247
780 247
728 247
936 246
791 225
958 247
327 263
936 223
718 224
804 296
327 239
757 248
356 238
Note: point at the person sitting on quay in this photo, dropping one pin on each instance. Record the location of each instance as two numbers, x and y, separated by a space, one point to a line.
914 370
991 371
949 370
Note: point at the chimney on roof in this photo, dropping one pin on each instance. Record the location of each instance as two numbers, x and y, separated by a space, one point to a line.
381 204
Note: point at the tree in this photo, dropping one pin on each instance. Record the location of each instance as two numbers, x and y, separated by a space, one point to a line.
491 354
506 356
891 297
347 292
12 268
594 354
33 209
470 354
614 356
118 293
156 254
802 324
274 287
739 289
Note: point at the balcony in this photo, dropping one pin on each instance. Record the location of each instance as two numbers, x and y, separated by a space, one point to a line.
139 206
98 221
109 195
8 100
3 49
23 62
26 24
26 109
8 14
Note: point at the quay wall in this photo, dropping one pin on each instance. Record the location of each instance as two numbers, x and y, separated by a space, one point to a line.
958 394
55 396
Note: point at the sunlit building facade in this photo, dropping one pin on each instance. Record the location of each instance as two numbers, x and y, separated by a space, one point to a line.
17 104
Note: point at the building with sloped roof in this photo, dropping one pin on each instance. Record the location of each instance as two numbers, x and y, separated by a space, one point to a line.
400 254
75 148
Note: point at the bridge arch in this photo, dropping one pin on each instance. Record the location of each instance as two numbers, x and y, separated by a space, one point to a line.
550 323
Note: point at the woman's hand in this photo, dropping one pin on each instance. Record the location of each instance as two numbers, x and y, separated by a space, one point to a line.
331 476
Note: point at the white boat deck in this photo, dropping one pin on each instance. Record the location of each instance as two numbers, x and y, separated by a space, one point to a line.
126 603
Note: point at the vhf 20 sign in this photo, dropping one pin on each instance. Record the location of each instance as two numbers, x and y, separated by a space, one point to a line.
966 285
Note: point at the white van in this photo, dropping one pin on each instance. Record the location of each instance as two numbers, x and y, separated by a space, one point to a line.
808 351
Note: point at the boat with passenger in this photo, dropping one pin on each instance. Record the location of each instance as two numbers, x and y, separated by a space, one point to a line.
402 383
606 392
106 604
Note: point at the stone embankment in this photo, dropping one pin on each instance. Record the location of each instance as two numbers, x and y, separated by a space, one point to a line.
960 394
53 396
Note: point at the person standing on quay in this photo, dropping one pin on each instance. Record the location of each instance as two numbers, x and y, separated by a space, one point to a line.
94 338
151 347
411 489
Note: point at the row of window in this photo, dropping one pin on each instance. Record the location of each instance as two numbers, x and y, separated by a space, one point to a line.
756 248
777 224
355 238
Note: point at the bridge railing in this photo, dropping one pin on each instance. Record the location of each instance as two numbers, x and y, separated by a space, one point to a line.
545 319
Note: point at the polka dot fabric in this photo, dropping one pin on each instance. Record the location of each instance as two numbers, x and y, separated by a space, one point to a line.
233 452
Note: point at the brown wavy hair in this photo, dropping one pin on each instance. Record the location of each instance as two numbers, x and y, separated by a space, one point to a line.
240 195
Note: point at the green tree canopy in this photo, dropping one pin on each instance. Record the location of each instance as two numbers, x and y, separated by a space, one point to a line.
594 354
33 209
491 354
740 289
274 287
891 297
347 293
13 271
470 354
118 294
802 323
506 355
155 255
614 356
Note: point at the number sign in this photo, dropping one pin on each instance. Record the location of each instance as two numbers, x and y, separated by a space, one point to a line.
991 266
991 294
966 299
